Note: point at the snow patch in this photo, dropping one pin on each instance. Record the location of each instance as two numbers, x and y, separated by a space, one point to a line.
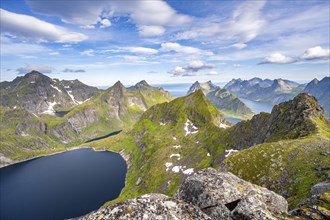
67 87
79 102
14 107
175 155
230 151
177 147
174 138
168 165
162 124
188 171
208 154
223 125
176 169
32 82
50 109
56 88
190 124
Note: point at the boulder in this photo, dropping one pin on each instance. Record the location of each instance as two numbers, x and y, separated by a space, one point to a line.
224 196
149 206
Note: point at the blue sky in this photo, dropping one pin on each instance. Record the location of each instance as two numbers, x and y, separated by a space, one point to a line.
100 42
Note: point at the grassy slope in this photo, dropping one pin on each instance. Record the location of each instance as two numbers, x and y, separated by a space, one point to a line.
150 144
287 167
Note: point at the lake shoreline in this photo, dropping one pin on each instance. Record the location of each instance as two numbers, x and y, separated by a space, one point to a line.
62 151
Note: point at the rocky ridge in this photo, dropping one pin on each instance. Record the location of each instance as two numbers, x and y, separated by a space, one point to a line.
288 120
225 101
207 194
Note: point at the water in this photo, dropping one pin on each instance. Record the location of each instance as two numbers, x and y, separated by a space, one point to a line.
232 120
104 136
61 186
257 107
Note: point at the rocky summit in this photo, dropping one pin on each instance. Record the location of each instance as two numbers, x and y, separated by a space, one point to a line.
208 194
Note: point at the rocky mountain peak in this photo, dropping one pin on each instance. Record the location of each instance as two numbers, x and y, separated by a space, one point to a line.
118 86
280 85
194 87
288 120
36 76
304 105
142 83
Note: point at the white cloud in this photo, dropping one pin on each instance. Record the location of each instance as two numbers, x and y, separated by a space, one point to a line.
8 47
191 68
89 53
34 29
142 13
316 53
212 73
141 50
277 58
244 24
238 45
37 67
184 49
68 70
105 23
151 30
54 53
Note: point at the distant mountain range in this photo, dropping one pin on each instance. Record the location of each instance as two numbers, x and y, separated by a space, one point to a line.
280 90
40 112
225 101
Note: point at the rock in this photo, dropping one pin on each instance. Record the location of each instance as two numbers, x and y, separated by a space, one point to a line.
320 188
149 206
224 196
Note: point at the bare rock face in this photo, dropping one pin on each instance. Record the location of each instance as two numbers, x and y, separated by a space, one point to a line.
209 194
225 196
149 206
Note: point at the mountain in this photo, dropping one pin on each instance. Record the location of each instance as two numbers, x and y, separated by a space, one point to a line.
256 89
167 144
117 108
299 113
321 90
228 103
39 94
173 140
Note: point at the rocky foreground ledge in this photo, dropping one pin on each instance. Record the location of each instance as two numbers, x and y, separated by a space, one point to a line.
208 194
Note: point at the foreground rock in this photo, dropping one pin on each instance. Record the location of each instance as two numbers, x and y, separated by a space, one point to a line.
149 206
206 195
225 196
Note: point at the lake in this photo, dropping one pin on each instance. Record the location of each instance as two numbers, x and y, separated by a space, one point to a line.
61 186
257 107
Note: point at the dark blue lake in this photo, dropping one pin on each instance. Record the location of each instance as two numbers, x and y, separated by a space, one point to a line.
61 186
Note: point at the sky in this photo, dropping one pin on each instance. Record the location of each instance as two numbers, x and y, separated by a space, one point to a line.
102 41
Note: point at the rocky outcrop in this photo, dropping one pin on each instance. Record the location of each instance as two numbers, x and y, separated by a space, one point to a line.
288 120
224 196
149 206
207 194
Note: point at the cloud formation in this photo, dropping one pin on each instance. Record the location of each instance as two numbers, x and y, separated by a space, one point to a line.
88 53
67 70
243 25
141 50
191 69
277 58
37 67
35 29
184 49
316 53
149 16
